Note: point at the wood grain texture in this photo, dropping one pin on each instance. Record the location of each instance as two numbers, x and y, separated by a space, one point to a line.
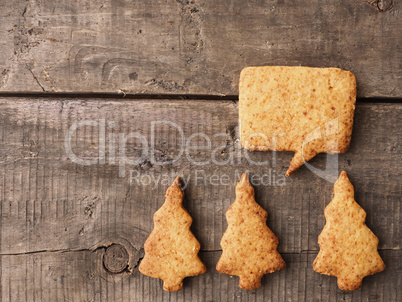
193 47
79 276
57 217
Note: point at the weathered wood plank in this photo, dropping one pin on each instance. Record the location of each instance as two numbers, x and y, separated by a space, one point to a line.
47 195
195 47
79 276
53 210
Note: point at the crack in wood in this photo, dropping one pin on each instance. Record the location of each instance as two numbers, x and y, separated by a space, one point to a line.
140 254
36 79
50 251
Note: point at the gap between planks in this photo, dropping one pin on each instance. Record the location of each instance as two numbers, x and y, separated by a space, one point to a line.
127 97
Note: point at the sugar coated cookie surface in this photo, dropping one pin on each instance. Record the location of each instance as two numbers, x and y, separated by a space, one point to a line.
348 248
171 250
249 246
301 109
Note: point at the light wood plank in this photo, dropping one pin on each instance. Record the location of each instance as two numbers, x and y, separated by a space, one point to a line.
193 47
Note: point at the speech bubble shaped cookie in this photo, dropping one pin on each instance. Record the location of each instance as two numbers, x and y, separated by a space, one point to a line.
171 250
301 109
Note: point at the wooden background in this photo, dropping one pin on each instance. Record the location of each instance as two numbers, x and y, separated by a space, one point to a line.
129 64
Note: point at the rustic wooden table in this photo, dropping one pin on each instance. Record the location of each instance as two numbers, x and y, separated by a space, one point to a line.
85 163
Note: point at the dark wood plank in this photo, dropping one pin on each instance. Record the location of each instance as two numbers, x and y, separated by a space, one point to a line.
193 47
79 276
55 211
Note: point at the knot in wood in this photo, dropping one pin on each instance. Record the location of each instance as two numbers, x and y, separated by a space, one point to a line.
116 258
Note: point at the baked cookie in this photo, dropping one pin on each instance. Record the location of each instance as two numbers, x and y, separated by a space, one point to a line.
249 246
301 109
171 250
348 248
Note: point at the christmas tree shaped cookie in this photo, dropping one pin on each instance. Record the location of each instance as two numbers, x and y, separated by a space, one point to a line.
171 250
249 246
348 249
